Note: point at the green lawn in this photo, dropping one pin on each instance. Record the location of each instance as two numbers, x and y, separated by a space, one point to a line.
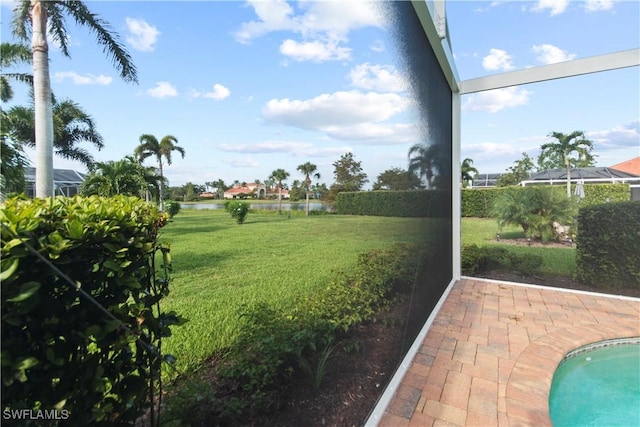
219 265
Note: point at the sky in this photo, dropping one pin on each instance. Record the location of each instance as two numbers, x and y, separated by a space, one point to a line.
250 87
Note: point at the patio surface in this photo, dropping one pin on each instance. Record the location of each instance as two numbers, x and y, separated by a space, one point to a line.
489 357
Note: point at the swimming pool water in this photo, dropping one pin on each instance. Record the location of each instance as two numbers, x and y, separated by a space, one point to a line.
598 387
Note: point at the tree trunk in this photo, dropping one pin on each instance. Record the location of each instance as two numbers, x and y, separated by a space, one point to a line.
279 199
161 186
43 113
566 162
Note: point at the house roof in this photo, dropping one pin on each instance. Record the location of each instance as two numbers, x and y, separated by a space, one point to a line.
630 166
590 173
61 177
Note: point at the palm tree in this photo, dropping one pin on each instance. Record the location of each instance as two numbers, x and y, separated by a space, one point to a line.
150 146
308 169
467 171
12 54
110 178
278 176
422 159
33 21
562 149
71 125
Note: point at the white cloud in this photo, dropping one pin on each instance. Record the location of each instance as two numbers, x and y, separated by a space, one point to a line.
78 79
377 46
297 149
242 162
219 93
335 109
555 7
384 78
376 133
598 5
623 136
550 54
316 51
162 90
495 100
497 59
142 36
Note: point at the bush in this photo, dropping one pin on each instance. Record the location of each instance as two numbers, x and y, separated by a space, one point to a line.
274 344
477 259
238 210
478 202
59 350
172 207
535 209
608 245
415 203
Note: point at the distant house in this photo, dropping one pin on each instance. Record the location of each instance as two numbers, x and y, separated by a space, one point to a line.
631 166
249 190
66 182
485 180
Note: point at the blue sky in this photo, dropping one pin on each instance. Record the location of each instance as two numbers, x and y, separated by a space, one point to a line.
249 87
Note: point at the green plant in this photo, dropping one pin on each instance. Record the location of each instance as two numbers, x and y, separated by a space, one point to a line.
535 209
82 327
608 245
315 375
238 210
477 259
172 207
413 203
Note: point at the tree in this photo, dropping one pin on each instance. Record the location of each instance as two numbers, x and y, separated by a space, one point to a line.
278 176
308 169
126 176
12 54
423 160
520 171
558 154
34 20
534 208
397 179
150 146
72 125
467 172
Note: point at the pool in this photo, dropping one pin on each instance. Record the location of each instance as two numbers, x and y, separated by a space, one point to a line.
598 385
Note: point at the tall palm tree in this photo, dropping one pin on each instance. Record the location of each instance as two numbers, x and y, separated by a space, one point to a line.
12 54
278 176
308 169
33 21
422 159
72 125
467 171
150 146
563 148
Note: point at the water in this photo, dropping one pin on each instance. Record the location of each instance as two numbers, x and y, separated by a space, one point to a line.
287 206
599 387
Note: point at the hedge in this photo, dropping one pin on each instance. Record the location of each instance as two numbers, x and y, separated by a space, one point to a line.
608 245
478 202
416 203
61 354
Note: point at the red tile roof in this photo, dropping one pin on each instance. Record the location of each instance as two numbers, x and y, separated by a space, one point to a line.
629 166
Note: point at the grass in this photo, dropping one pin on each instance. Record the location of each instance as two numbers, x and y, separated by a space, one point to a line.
482 231
219 265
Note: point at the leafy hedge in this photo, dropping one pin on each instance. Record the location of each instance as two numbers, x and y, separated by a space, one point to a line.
479 259
478 202
416 203
608 245
59 350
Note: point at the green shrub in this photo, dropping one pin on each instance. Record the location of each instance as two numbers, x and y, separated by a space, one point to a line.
172 207
274 344
478 202
59 350
477 259
535 209
415 203
238 210
608 245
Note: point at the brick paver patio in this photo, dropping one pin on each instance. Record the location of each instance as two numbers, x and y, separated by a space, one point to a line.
489 357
